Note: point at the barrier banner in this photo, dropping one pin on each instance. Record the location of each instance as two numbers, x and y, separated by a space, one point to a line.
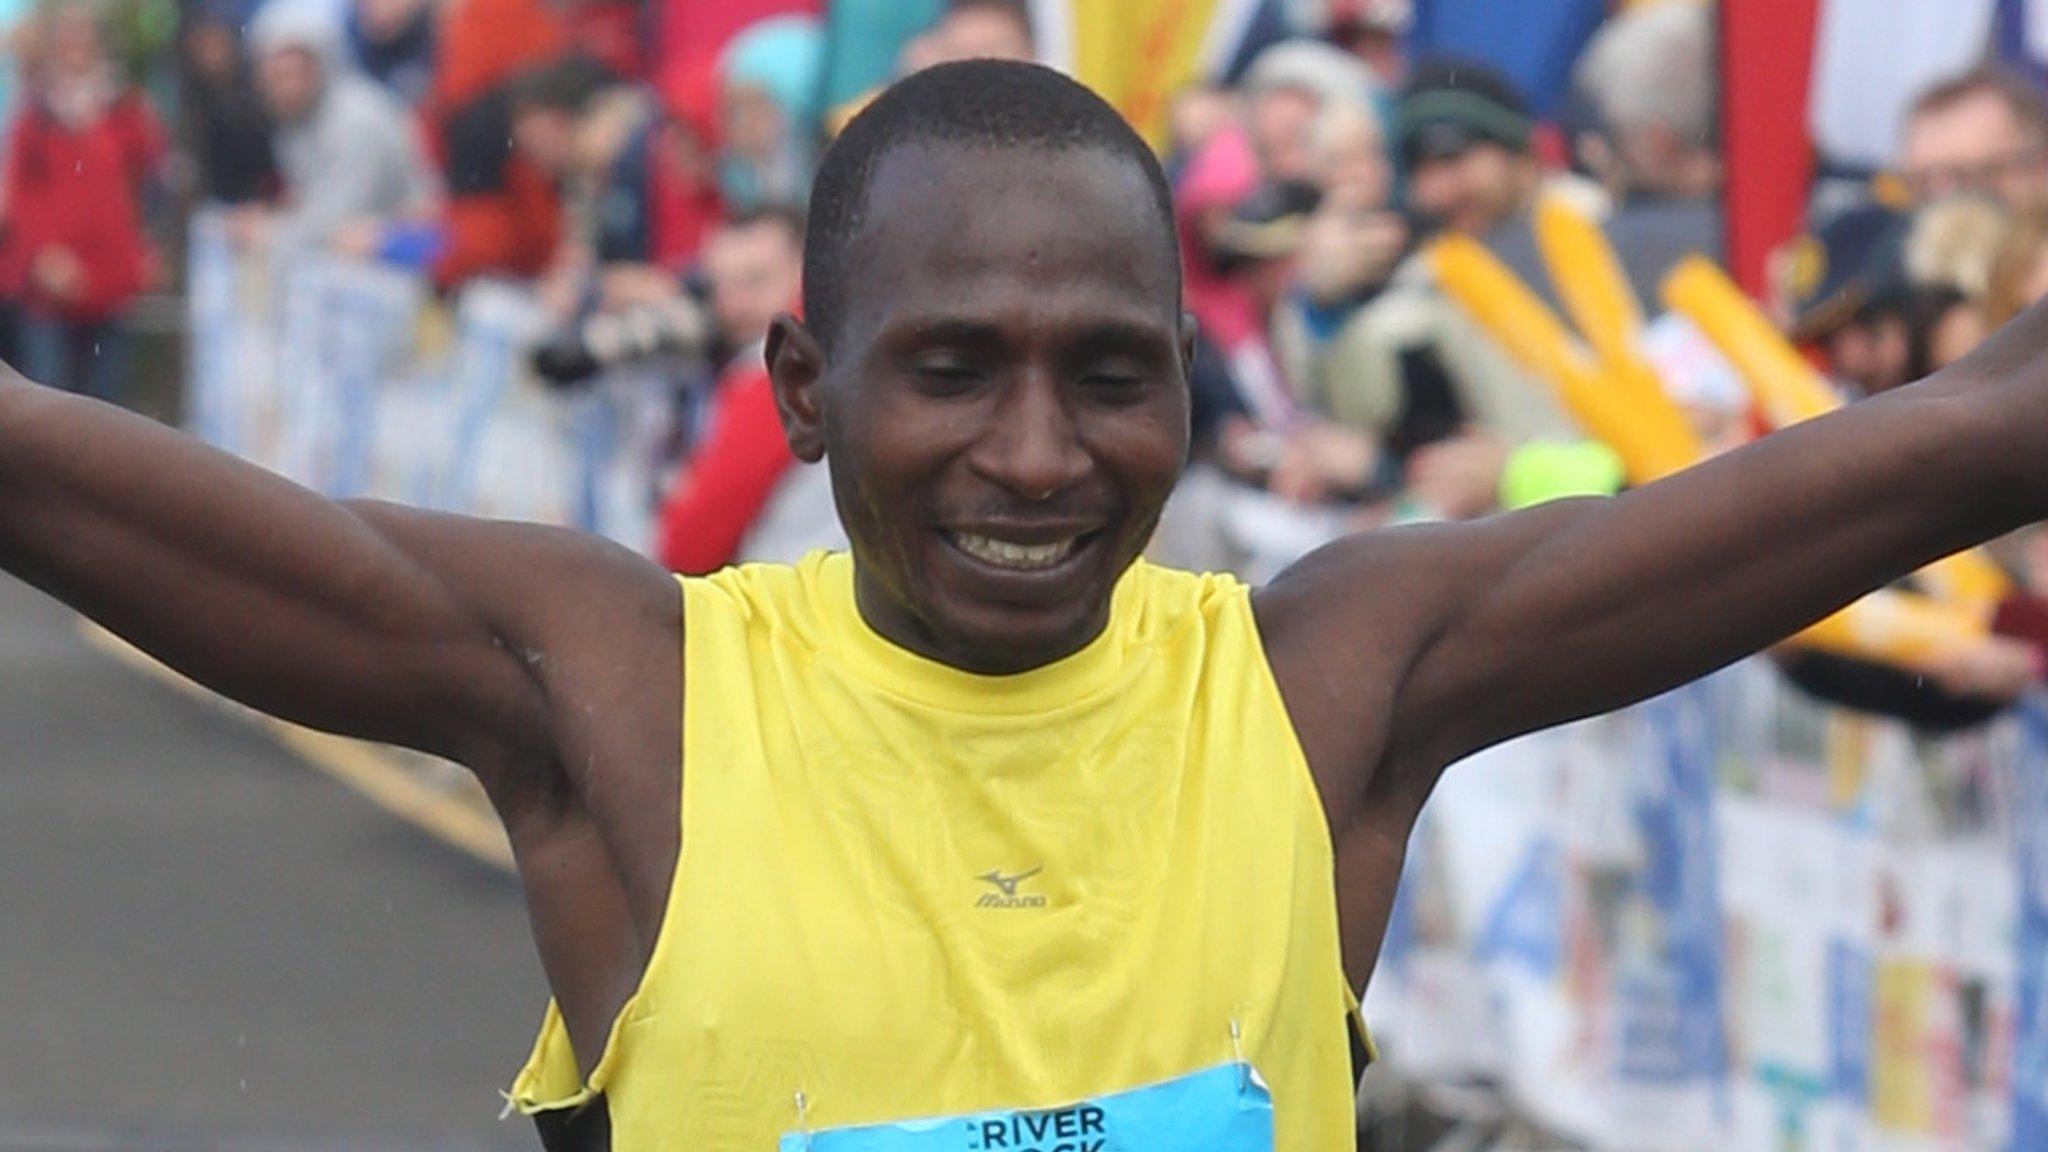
1669 1057
2029 784
1736 918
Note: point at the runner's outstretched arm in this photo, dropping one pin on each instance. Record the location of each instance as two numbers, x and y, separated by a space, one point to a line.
329 615
1467 634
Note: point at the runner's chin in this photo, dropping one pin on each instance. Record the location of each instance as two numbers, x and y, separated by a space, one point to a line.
1024 606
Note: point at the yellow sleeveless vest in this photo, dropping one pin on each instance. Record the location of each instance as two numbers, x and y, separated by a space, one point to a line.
907 891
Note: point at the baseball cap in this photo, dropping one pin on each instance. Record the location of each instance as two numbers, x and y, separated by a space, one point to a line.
1450 106
1842 266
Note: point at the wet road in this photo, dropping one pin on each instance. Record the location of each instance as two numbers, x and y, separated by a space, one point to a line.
206 944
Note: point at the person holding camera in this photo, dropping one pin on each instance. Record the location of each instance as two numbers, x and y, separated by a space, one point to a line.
742 495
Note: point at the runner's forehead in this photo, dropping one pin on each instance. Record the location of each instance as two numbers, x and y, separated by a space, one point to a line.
953 231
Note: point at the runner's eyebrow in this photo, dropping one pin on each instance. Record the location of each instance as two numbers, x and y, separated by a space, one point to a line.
1096 337
1124 338
944 332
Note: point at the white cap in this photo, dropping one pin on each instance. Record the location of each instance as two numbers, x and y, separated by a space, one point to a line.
1331 74
304 24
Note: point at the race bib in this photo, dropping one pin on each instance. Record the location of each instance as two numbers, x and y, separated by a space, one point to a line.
1222 1109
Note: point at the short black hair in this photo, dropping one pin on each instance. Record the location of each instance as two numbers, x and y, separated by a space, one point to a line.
788 217
972 103
1451 104
1457 74
569 84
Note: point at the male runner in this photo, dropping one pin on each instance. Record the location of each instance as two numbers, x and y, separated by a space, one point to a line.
992 818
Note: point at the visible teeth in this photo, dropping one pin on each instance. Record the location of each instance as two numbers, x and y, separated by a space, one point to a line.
1012 555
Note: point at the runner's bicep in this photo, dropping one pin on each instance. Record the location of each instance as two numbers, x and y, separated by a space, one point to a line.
566 617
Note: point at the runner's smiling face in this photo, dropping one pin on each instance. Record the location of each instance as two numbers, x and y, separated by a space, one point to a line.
1005 407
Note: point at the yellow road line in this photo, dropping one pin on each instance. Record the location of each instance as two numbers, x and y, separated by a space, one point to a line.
462 821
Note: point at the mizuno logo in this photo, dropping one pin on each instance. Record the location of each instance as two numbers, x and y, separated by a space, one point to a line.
1005 894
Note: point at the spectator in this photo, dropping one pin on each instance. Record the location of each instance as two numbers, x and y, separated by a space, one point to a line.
640 188
769 81
1649 76
552 107
742 492
230 130
1353 238
1985 131
503 215
1287 86
1219 177
352 164
555 136
1465 141
1348 156
1351 244
659 185
639 196
1877 326
393 43
1232 285
79 154
1463 137
754 265
1386 357
1404 408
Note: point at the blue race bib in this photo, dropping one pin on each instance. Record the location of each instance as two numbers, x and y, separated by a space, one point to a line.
1220 1109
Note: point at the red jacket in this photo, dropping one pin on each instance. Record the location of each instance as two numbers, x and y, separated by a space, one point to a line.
729 479
513 229
503 214
81 191
484 43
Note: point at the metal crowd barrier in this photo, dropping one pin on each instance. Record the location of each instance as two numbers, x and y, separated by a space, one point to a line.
350 378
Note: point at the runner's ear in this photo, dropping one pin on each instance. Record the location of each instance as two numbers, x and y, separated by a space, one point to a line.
796 367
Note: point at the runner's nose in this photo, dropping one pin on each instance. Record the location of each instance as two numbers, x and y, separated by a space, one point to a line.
1034 448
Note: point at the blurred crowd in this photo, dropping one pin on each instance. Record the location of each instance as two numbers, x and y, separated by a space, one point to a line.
645 167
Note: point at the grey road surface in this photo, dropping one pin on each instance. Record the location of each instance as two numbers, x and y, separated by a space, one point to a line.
206 945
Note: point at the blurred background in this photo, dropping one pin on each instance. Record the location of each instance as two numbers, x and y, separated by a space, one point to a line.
517 257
